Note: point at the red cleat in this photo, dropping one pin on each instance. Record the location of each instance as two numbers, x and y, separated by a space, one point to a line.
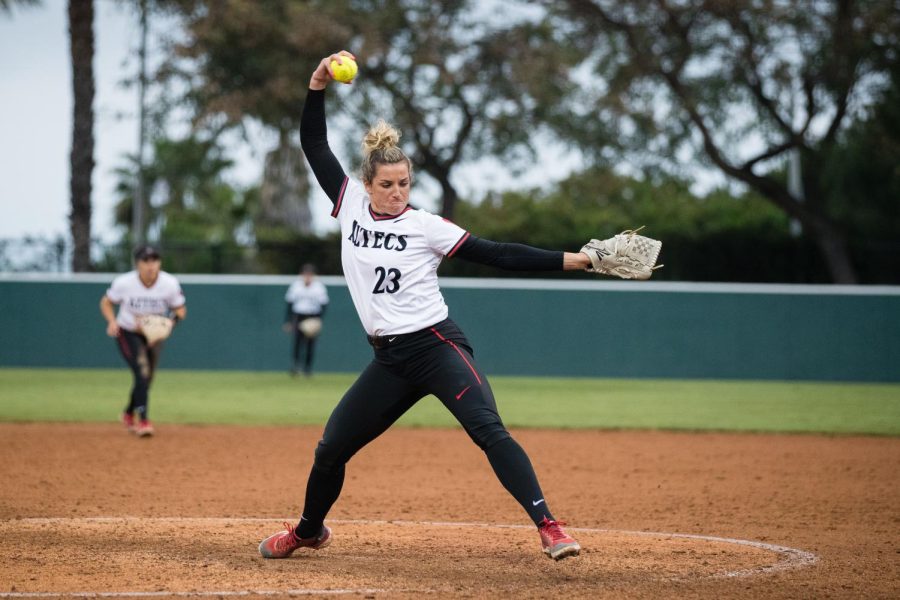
128 420
283 543
556 543
144 429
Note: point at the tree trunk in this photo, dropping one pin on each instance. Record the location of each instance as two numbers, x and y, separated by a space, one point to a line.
449 197
828 237
833 246
81 36
284 193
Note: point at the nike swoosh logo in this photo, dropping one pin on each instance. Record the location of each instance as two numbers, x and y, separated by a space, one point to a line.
460 395
398 220
535 503
391 339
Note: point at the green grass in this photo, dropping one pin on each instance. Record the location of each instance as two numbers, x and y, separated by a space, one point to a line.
251 398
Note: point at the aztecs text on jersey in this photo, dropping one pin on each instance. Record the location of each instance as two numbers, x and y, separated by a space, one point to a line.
390 262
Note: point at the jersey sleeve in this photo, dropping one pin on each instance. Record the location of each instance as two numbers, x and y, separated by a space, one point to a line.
352 195
445 237
175 298
115 293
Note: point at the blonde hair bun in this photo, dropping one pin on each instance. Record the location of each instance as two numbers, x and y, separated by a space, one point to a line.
381 136
381 146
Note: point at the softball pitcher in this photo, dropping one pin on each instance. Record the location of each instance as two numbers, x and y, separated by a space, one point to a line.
390 254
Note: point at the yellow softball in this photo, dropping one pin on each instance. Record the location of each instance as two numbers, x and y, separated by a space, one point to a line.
345 71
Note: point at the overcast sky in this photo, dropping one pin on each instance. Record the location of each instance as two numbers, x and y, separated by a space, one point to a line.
35 126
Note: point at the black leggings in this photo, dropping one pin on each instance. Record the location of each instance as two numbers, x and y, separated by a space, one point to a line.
299 340
143 360
437 360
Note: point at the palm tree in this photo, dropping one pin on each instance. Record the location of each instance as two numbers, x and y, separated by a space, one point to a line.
81 158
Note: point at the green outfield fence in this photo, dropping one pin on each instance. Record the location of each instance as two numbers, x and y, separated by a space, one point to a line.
518 327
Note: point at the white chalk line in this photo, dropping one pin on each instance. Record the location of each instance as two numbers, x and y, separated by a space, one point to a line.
298 592
791 558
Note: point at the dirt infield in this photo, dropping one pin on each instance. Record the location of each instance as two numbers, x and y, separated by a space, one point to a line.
88 509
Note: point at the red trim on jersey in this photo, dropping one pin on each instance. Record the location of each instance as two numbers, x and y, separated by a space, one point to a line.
458 351
378 217
458 244
340 200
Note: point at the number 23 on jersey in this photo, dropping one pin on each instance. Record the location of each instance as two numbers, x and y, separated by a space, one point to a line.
388 280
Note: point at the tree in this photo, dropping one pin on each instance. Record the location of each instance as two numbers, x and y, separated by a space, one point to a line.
862 175
192 209
81 158
284 193
715 237
457 86
740 84
249 61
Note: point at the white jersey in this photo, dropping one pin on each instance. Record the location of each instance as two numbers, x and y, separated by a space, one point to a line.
307 299
136 299
390 262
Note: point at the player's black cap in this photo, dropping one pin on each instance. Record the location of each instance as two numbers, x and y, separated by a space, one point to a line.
146 252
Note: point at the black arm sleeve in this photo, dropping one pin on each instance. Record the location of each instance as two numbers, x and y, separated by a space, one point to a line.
512 257
314 141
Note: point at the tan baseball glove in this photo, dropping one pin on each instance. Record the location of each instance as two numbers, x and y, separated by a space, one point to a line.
155 328
310 327
627 255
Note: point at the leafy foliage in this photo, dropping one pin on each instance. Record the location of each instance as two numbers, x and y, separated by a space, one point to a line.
739 85
253 58
862 174
656 88
705 238
190 203
457 85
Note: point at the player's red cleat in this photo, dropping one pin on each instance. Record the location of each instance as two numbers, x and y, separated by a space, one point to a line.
283 543
128 420
144 429
557 544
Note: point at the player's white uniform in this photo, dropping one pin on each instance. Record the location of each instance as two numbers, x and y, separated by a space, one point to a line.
390 262
307 299
136 299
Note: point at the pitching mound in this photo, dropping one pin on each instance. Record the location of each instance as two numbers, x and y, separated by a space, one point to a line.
209 556
91 511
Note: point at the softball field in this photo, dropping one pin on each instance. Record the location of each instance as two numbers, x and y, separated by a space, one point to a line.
87 510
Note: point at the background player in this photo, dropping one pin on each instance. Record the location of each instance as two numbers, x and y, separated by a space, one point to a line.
306 298
148 290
